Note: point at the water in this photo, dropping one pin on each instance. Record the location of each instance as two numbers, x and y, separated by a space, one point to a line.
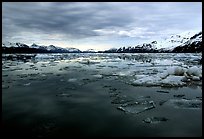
65 95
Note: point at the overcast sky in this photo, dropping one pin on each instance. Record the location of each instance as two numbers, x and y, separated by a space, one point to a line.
97 25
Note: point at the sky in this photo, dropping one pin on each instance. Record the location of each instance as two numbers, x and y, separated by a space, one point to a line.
97 25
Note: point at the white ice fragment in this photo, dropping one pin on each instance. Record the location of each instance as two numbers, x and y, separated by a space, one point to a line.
196 78
72 80
185 103
173 80
44 56
26 84
43 75
195 71
124 73
98 76
148 80
176 71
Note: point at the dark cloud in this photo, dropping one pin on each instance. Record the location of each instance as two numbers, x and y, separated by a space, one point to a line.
77 20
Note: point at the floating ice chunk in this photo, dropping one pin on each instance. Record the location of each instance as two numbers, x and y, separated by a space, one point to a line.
148 80
137 107
72 80
195 71
44 56
43 75
64 95
173 80
155 120
26 84
176 70
126 73
98 76
196 78
185 103
163 62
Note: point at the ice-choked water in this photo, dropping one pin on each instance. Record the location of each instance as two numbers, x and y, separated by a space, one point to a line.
89 92
138 69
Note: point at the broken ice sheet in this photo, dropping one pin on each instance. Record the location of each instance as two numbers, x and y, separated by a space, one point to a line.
72 80
98 76
137 107
26 84
64 95
185 103
155 120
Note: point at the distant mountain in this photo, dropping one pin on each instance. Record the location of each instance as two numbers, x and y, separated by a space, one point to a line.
16 45
55 49
34 48
194 44
180 43
90 51
72 50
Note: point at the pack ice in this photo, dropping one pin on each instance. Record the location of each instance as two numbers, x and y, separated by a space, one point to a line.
172 76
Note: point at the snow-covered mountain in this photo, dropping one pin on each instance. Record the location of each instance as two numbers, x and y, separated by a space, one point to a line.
38 48
8 44
170 42
90 51
53 48
72 49
179 43
183 42
194 44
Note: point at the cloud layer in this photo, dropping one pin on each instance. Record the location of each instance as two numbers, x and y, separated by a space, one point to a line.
111 24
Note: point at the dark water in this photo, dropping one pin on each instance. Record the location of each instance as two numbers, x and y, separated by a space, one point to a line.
53 101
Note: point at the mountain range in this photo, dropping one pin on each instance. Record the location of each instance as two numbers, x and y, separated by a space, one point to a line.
179 43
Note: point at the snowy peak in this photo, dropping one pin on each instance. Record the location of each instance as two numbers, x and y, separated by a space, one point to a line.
194 44
173 41
186 42
197 38
90 51
70 49
52 47
8 44
40 48
37 46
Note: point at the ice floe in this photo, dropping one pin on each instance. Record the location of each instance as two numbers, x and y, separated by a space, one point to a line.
185 103
98 76
194 71
137 107
72 80
173 76
155 120
143 69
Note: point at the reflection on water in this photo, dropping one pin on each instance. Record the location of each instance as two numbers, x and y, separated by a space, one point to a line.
63 95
